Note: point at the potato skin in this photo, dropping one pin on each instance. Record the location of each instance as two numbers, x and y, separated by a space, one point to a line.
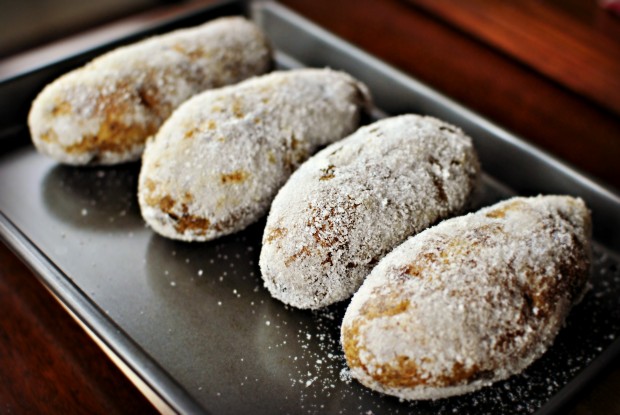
102 113
216 164
470 301
355 200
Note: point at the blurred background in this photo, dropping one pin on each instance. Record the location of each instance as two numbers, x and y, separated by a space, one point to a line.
28 23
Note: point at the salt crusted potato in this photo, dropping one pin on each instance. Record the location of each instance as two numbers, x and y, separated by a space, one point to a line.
470 301
354 201
216 164
103 112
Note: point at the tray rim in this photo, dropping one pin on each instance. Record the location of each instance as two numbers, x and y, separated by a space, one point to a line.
104 329
97 325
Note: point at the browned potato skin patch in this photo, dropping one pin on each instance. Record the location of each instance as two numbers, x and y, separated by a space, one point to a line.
184 221
328 172
237 110
194 223
193 55
114 135
150 185
351 346
166 204
500 213
372 311
62 108
271 157
235 177
302 252
275 233
404 373
49 136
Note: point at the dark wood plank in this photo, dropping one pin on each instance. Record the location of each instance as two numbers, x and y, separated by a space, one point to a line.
567 50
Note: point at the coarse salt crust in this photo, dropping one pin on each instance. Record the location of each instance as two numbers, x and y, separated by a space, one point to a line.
216 164
355 200
470 301
102 113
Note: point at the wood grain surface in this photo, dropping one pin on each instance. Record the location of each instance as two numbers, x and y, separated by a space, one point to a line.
466 50
545 38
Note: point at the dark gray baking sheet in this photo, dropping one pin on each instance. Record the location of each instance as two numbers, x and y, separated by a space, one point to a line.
193 320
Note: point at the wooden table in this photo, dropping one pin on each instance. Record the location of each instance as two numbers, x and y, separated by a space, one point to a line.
549 71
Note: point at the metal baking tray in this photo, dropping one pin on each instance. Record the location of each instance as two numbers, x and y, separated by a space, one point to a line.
192 325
